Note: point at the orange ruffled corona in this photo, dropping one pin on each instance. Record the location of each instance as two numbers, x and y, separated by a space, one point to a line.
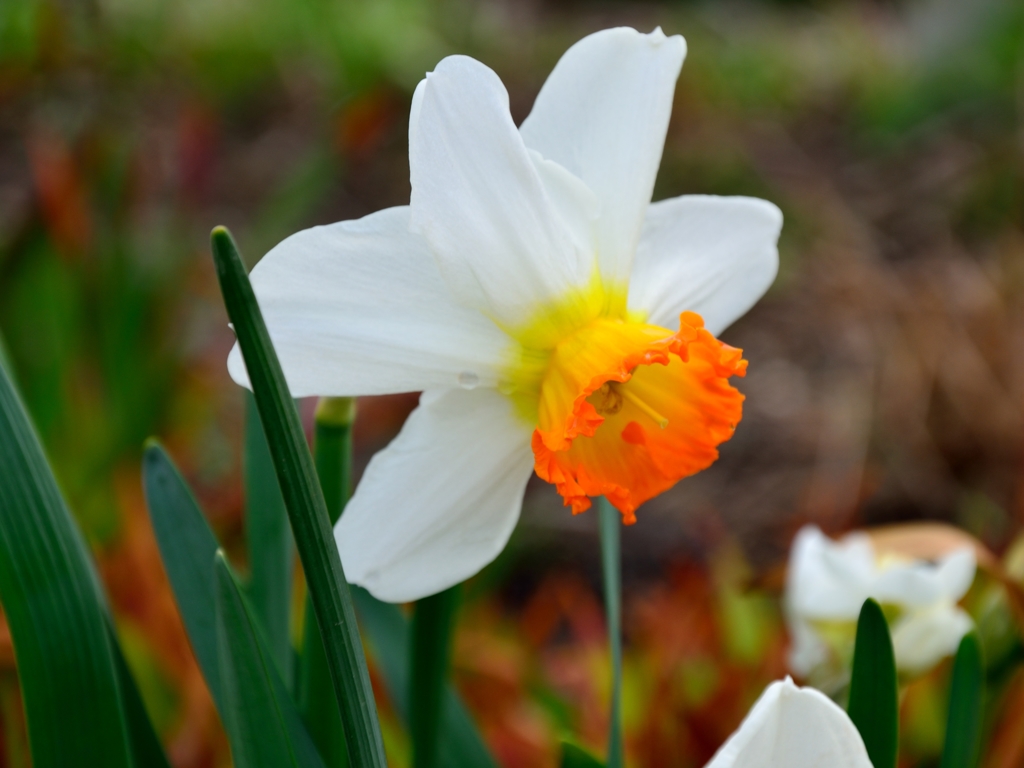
627 410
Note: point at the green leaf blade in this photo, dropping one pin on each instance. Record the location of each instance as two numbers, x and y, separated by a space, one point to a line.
332 455
307 509
259 738
188 548
269 539
874 689
55 609
964 721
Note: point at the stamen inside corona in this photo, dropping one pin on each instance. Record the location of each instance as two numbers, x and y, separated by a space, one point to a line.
660 420
605 388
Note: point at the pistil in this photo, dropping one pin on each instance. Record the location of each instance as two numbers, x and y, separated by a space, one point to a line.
643 406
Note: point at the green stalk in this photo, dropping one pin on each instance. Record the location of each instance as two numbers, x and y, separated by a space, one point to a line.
332 453
307 509
610 521
433 624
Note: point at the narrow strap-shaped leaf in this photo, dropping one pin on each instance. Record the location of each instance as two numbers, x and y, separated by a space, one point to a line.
307 511
610 522
269 539
963 723
147 751
387 632
317 702
332 454
576 757
188 547
254 695
433 625
874 692
55 610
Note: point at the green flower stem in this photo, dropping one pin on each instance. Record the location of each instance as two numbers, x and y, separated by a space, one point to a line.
332 453
610 522
307 510
433 623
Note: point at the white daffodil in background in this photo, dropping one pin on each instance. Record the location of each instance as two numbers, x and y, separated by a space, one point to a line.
828 582
792 727
555 319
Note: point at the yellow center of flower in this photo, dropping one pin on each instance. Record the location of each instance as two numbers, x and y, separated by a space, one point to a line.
621 408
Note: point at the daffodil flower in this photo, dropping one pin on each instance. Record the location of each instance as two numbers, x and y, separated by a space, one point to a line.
791 727
555 319
828 582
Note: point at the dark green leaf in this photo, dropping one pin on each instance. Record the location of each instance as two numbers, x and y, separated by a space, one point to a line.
387 632
55 609
318 704
332 453
874 692
610 522
269 539
963 723
575 757
256 705
188 547
432 626
147 751
307 511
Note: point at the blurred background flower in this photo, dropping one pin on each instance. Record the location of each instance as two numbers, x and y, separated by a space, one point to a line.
828 581
885 380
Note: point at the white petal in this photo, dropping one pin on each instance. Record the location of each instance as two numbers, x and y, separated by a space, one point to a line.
924 637
956 572
576 204
920 583
478 199
829 579
791 727
359 307
715 256
603 114
440 502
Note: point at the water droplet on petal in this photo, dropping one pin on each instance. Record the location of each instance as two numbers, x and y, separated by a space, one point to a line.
468 380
